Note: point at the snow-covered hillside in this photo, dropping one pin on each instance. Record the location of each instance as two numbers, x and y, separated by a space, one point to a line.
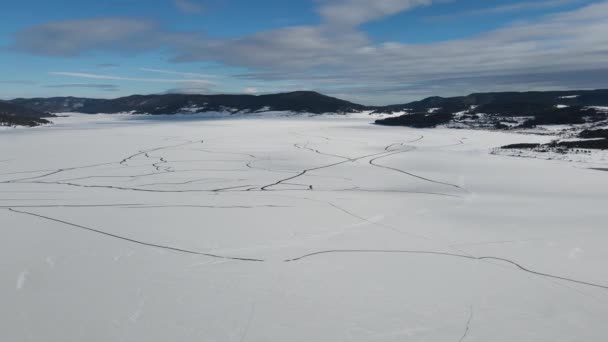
139 228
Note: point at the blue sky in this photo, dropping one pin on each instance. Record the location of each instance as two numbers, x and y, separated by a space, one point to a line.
373 52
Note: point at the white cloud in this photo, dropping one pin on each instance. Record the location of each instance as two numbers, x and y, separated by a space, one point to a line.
526 5
336 56
251 90
555 45
178 73
189 6
134 79
73 37
104 87
294 46
356 12
509 8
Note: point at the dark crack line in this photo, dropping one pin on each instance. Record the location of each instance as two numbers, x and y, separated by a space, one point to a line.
72 206
209 160
180 250
30 192
114 187
305 147
125 160
378 251
401 191
144 206
207 180
388 148
122 162
373 163
520 267
31 199
145 152
92 177
468 326
22 172
135 177
302 173
231 188
250 165
55 172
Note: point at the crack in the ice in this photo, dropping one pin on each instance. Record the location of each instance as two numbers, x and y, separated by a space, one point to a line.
114 187
145 152
388 148
468 325
97 231
305 171
305 147
55 172
71 206
250 165
373 163
350 251
357 189
144 206
22 172
122 162
462 256
207 180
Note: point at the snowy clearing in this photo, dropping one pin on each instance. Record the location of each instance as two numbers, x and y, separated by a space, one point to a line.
139 228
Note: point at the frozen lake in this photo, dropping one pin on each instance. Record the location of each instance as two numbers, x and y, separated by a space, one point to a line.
118 228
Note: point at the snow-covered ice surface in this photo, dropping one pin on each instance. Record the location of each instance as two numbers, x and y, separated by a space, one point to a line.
122 228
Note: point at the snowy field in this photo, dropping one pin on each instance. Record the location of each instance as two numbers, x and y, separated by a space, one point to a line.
123 228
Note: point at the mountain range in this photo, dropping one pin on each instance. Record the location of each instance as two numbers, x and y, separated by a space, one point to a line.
504 110
515 102
300 101
429 111
15 115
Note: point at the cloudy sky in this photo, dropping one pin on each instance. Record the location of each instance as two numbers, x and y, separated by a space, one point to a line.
368 51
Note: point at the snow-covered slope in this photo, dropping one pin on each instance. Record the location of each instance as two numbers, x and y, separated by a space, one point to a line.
122 228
